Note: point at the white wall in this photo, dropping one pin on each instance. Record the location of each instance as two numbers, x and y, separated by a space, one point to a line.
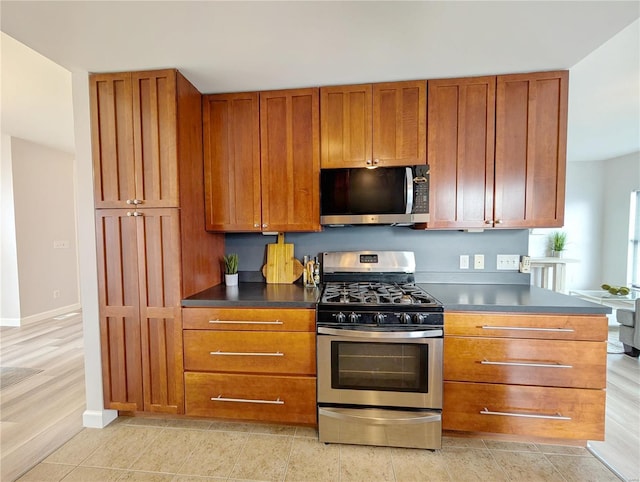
621 176
95 415
44 203
596 221
9 290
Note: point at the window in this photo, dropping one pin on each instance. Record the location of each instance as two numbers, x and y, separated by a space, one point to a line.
633 269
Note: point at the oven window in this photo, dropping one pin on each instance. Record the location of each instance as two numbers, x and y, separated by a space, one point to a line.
379 366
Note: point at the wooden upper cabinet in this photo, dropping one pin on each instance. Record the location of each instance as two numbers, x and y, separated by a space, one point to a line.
400 123
531 141
134 138
373 124
232 162
290 160
460 151
346 125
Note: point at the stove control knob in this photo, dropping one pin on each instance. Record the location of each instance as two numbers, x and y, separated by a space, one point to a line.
379 318
418 318
405 318
340 318
353 318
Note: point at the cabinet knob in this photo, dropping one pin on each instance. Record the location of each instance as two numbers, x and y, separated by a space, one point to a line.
256 225
368 162
489 221
129 213
376 162
498 221
264 225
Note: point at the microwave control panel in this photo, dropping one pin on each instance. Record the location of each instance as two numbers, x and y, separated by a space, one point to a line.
421 189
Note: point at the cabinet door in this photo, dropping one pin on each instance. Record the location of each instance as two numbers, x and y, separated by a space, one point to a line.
460 151
119 310
133 121
158 245
400 123
139 290
232 162
346 123
290 160
155 138
531 141
112 139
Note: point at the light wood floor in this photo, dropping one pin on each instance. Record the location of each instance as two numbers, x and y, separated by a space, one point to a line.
40 414
44 411
621 448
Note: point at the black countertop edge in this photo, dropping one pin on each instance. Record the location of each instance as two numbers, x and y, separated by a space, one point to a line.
510 298
515 298
255 295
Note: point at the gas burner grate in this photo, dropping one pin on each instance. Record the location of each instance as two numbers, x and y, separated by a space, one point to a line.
375 293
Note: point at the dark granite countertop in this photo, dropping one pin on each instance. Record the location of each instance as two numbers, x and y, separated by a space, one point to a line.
454 297
255 294
509 298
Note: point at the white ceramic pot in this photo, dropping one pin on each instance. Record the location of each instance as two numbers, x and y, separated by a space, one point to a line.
231 279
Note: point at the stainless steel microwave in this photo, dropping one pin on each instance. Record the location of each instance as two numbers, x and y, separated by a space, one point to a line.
384 195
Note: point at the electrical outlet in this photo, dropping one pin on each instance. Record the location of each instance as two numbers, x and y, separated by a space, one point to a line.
508 261
464 261
56 293
61 244
478 261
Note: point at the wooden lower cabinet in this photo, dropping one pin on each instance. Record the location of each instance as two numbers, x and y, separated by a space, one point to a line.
285 399
552 363
535 375
241 351
250 363
249 319
524 410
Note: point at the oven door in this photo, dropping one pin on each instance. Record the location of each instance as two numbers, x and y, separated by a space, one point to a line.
380 368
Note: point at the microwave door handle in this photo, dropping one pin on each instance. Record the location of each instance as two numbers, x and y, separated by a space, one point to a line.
408 177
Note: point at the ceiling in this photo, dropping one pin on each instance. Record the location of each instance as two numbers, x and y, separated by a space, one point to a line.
235 46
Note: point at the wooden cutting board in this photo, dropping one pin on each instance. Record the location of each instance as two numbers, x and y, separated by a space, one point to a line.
281 266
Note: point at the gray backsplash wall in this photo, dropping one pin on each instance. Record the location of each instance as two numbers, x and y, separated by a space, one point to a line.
437 252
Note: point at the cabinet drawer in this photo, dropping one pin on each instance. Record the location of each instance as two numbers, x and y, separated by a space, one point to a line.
250 352
517 325
570 413
249 319
555 363
251 397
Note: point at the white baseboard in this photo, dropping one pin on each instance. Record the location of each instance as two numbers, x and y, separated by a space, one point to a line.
49 314
9 321
98 418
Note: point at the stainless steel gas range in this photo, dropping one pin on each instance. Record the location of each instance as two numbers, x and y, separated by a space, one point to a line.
379 349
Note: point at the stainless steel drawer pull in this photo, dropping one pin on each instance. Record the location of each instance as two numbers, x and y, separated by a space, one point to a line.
525 364
220 398
247 353
487 327
525 415
236 322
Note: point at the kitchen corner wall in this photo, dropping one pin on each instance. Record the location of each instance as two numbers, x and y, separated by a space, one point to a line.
45 230
437 252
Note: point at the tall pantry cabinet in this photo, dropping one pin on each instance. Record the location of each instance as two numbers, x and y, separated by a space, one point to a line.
152 249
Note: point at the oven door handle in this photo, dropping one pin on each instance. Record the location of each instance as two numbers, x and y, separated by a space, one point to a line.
372 420
396 335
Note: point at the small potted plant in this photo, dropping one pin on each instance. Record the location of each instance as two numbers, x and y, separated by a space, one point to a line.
231 269
558 243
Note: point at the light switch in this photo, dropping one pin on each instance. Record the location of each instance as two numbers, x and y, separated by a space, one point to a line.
464 261
478 261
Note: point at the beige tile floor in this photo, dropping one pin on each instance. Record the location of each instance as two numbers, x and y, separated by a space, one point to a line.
145 449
